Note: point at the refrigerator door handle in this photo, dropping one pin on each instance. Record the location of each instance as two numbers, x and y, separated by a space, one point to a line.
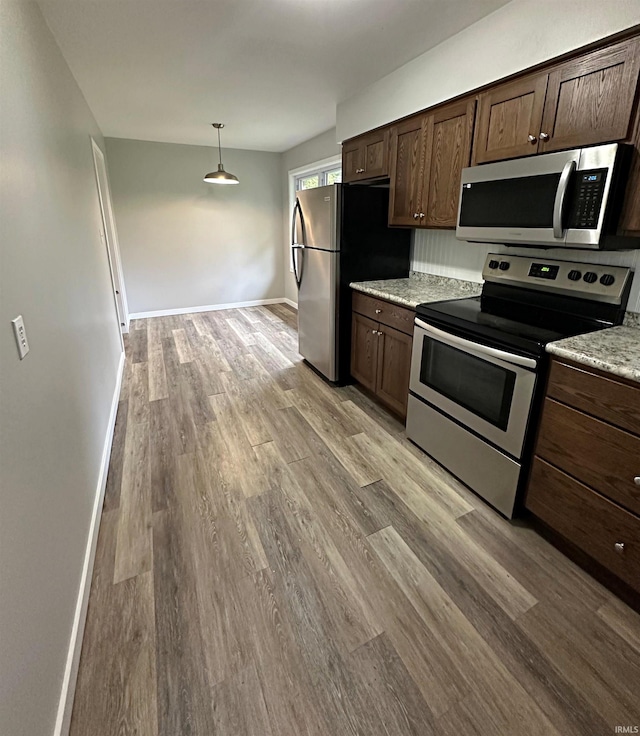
296 273
297 209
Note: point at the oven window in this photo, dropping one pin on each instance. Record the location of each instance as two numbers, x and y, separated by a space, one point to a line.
526 201
481 387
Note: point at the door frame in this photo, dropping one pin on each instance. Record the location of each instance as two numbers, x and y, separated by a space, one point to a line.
110 236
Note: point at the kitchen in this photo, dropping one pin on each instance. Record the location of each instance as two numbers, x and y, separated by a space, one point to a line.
371 462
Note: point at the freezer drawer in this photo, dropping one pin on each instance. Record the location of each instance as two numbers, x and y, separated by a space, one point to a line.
318 310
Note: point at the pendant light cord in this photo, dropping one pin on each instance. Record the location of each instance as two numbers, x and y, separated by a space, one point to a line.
219 147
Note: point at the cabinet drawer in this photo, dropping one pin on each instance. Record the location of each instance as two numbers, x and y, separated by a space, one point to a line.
392 315
602 456
587 519
605 398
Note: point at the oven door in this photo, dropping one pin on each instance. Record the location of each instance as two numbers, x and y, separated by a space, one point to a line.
488 391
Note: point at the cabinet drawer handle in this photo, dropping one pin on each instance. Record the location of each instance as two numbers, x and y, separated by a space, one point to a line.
636 480
532 139
544 136
379 311
619 547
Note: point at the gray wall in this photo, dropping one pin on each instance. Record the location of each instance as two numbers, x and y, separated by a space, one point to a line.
315 149
185 243
518 35
54 405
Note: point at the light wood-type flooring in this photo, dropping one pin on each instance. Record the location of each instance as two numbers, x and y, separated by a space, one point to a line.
275 558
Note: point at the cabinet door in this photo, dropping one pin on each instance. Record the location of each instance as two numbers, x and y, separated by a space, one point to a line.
509 118
375 154
352 161
590 100
364 350
394 366
450 131
407 171
366 157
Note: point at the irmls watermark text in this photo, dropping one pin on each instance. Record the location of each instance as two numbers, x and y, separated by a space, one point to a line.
627 729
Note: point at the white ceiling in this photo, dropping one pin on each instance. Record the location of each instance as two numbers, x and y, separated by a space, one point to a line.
271 70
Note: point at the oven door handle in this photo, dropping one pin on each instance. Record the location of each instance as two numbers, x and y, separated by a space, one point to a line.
476 347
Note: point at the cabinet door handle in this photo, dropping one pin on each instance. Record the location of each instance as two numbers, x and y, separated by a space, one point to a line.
416 216
636 480
619 547
378 311
422 215
531 138
544 136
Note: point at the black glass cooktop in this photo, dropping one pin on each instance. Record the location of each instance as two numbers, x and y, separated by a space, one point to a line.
520 327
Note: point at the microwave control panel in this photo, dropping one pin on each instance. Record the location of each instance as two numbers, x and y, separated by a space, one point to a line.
587 198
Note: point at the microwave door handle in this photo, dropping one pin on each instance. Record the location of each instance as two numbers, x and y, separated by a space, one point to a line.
561 195
482 349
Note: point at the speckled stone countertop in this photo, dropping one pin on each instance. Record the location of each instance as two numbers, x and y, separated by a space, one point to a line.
418 288
615 350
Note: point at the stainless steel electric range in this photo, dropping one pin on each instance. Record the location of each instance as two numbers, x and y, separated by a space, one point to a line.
478 364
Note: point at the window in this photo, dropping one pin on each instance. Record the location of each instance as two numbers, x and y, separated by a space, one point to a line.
320 178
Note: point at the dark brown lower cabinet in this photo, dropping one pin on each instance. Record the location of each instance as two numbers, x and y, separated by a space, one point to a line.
585 480
394 365
364 351
381 354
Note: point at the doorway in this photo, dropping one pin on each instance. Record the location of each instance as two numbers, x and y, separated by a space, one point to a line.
110 238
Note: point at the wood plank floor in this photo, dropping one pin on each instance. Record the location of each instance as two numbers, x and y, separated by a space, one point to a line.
275 558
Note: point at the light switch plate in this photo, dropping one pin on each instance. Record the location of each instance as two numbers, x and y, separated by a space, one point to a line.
21 336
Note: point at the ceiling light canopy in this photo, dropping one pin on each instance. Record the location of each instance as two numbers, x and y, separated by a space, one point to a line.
220 176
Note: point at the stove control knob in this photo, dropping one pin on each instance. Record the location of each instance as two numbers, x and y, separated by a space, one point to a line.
504 265
607 279
575 275
590 277
493 264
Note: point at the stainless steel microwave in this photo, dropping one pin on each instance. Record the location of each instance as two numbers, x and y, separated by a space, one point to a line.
569 199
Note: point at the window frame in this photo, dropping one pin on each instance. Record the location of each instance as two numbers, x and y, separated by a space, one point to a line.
321 173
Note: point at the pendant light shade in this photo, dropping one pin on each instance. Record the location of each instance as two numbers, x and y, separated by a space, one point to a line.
220 176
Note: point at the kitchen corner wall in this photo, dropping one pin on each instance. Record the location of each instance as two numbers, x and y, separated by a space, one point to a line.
315 149
439 252
185 243
55 404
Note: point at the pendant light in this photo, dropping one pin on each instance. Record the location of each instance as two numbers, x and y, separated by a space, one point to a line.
220 176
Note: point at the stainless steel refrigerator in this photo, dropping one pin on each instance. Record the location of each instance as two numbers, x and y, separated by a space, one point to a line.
339 235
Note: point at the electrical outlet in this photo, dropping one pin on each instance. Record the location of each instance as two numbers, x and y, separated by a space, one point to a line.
21 336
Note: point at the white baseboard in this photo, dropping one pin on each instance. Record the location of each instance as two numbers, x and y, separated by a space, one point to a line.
65 706
290 302
207 308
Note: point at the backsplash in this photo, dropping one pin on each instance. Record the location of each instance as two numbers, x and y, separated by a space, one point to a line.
439 252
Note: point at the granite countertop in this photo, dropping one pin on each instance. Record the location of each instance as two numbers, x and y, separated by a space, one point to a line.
418 288
615 350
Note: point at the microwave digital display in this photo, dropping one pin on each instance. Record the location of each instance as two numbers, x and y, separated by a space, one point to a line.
543 271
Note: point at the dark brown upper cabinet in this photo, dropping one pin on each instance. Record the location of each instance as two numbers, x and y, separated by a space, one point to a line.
509 119
582 102
449 137
590 99
366 157
428 153
408 143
